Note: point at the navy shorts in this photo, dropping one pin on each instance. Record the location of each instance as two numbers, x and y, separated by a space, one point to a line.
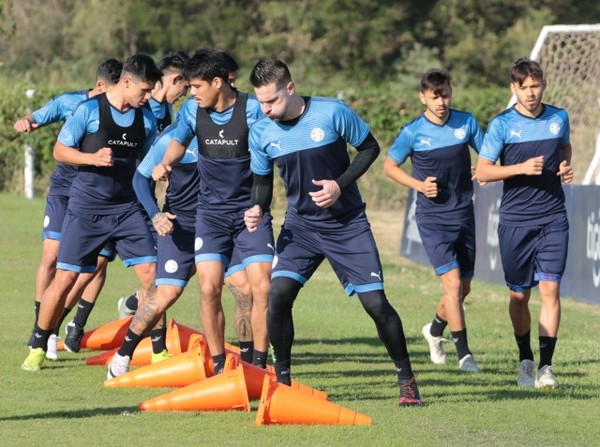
175 254
54 216
85 235
450 245
224 237
531 254
350 248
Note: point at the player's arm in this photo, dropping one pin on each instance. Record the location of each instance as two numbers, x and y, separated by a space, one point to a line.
26 124
488 171
331 190
143 190
565 170
393 170
261 197
72 156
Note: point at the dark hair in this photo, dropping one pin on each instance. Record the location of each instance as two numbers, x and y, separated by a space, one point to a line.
109 71
142 67
174 60
207 64
267 71
232 64
524 68
435 79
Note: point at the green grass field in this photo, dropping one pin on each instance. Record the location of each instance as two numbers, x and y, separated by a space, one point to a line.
336 351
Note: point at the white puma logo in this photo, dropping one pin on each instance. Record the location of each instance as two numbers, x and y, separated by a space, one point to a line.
376 275
277 145
426 141
514 133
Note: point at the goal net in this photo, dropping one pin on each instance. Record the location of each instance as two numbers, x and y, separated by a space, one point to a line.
570 57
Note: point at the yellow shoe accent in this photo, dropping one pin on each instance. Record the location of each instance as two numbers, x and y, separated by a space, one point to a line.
34 360
163 355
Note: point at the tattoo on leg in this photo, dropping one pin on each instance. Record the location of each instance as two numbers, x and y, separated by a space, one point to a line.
243 310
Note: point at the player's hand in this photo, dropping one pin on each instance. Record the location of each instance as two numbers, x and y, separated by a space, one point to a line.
328 195
533 166
103 157
25 126
429 187
252 218
474 176
565 172
161 172
162 223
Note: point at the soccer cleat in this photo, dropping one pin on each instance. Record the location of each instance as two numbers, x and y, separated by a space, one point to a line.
122 308
34 360
437 354
31 339
409 393
545 378
163 355
118 366
52 352
73 337
526 377
468 364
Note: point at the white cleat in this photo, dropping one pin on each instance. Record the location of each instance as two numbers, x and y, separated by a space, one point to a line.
118 366
437 354
545 378
526 377
52 352
468 364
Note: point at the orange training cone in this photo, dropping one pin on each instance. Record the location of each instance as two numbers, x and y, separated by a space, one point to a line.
254 380
178 371
186 334
142 355
226 391
108 336
280 404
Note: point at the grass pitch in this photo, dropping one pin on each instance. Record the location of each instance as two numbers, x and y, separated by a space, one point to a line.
336 350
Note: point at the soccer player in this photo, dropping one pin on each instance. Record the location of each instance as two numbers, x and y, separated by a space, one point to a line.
306 138
171 87
437 142
531 139
219 117
104 137
58 110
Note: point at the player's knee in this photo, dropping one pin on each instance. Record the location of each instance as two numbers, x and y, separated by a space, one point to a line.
282 294
376 304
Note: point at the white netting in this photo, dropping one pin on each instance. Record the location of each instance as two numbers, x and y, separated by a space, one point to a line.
570 57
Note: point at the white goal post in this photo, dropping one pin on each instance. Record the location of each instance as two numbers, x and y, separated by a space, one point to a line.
570 57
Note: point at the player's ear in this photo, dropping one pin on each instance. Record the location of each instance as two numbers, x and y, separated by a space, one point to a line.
291 87
422 98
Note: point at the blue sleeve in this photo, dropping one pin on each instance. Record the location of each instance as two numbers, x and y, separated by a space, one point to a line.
566 136
143 191
493 142
48 113
402 147
253 110
156 152
476 133
260 163
84 120
349 125
186 122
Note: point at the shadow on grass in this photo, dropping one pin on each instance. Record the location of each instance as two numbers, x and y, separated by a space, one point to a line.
75 414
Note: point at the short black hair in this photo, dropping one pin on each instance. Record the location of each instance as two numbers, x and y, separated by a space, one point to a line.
174 60
524 68
232 64
435 79
207 64
267 71
143 67
110 71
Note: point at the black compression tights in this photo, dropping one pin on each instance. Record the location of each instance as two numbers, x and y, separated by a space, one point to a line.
280 324
387 321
